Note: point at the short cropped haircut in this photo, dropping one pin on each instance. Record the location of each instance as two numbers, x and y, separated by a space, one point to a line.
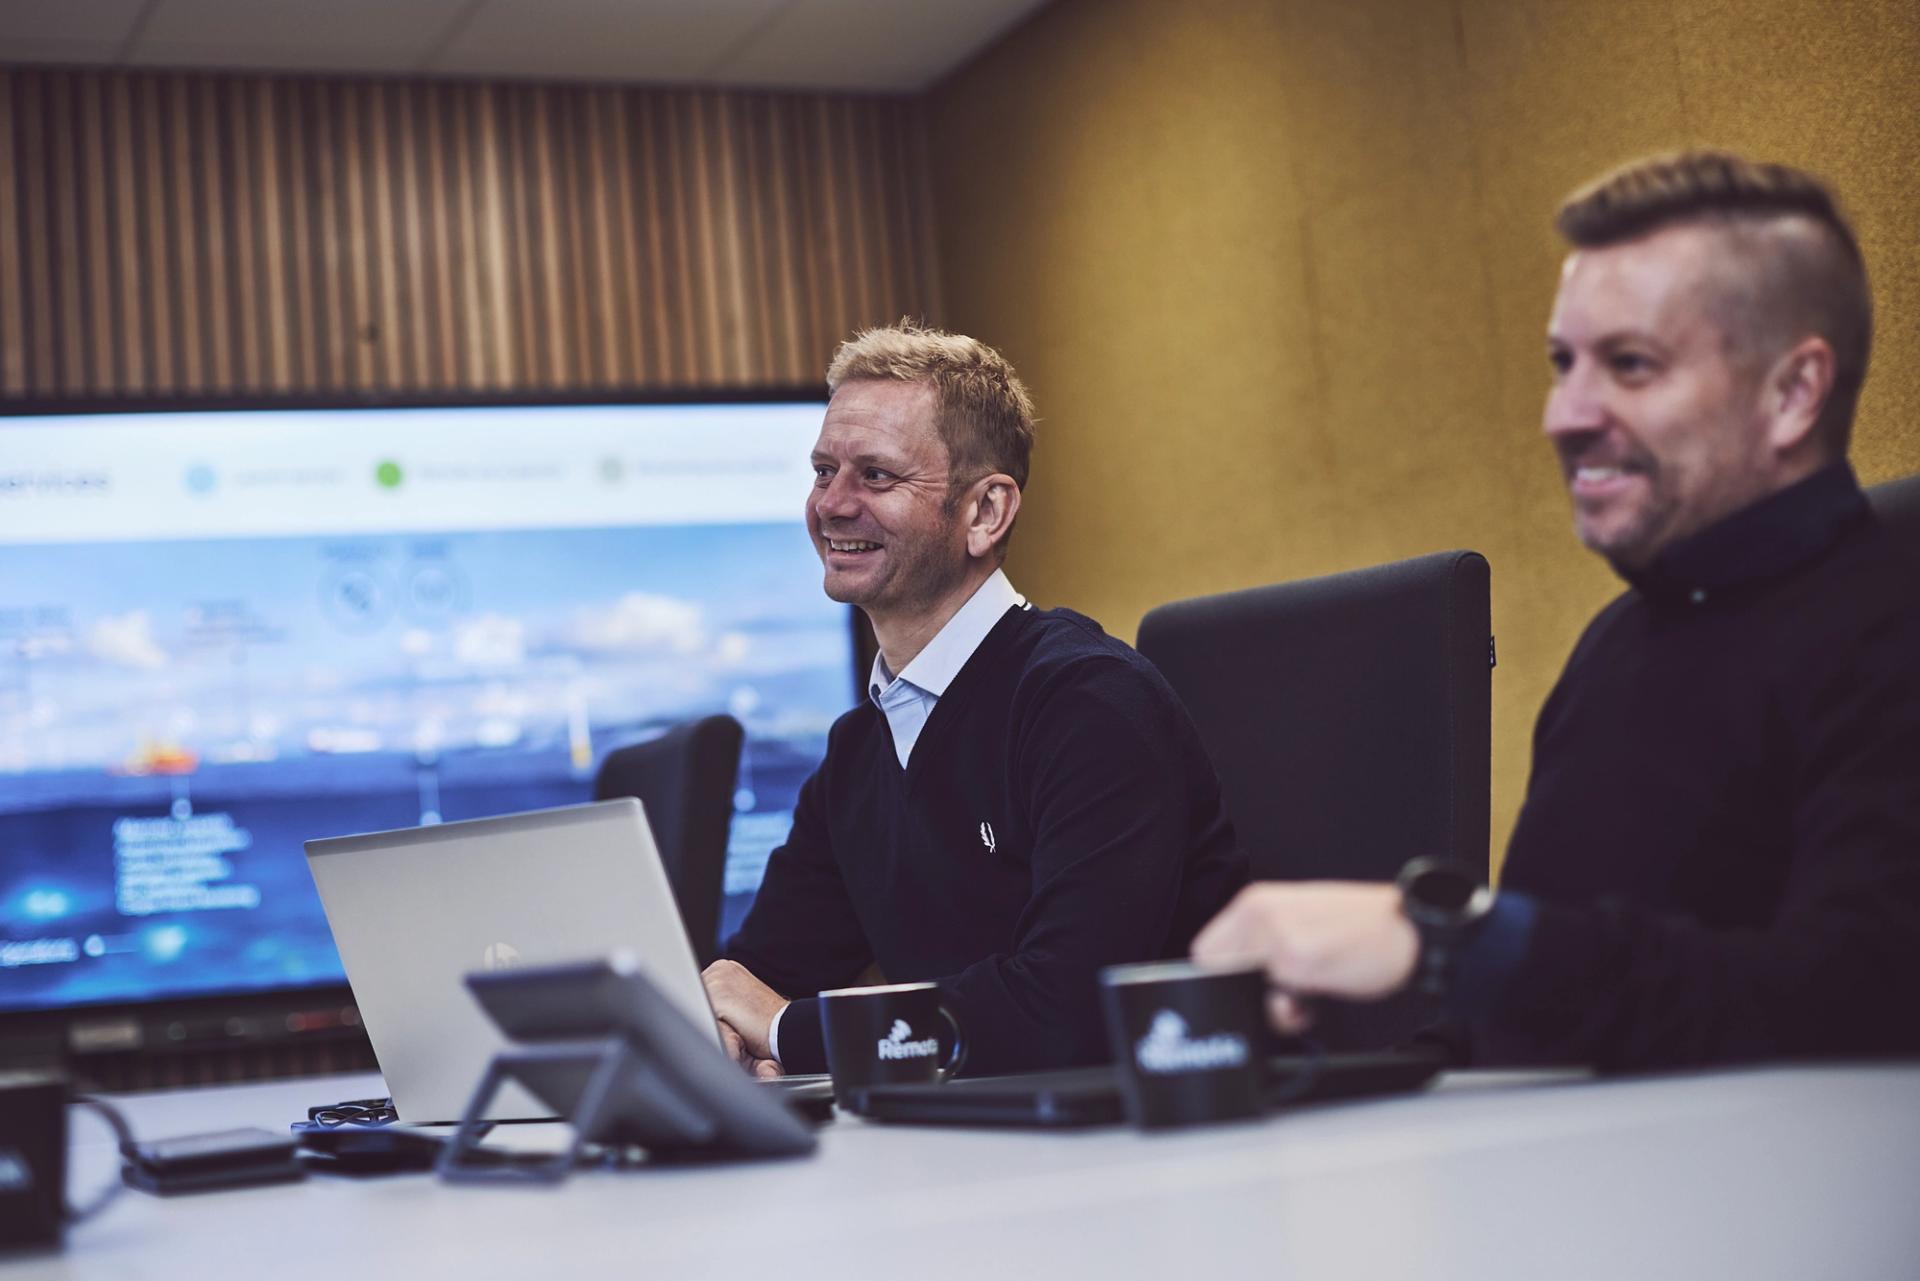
1803 271
982 412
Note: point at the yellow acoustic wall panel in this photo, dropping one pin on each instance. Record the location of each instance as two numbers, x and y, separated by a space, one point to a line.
1278 272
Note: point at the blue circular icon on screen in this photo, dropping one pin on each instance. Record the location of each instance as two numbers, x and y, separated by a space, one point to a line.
201 479
357 600
435 592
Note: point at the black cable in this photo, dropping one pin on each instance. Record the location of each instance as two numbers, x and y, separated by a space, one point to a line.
124 1134
360 1112
1297 1083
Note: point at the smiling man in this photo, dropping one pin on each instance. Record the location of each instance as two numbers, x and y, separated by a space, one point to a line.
1020 799
1718 859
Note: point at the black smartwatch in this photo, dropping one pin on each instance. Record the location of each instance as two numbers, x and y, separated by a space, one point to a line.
1447 906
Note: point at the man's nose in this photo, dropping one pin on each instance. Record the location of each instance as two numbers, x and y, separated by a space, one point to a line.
1575 406
837 500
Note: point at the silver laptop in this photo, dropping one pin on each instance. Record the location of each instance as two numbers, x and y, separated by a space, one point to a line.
414 910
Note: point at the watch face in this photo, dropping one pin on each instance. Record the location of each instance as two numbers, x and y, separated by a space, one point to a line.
1443 889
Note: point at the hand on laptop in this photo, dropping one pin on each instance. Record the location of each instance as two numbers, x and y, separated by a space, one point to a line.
745 1007
736 1049
1315 938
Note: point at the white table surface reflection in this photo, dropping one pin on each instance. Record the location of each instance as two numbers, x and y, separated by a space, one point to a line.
1789 1172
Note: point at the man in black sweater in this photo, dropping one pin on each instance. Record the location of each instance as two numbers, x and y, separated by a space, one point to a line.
1718 859
1020 800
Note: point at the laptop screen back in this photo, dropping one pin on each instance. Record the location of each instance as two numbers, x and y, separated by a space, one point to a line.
414 910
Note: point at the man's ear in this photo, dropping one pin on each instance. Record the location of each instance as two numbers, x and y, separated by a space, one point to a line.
1796 392
990 515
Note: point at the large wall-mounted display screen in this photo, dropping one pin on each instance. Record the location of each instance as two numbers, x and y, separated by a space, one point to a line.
223 633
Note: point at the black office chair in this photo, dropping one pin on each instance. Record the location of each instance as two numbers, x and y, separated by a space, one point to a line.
685 779
1897 503
1350 720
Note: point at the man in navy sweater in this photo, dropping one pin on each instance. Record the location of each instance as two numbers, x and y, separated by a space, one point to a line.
1020 800
1718 859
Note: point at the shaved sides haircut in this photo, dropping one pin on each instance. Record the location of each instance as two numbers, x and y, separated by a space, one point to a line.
1795 268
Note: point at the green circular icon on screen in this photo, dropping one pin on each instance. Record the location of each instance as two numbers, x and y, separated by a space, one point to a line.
388 473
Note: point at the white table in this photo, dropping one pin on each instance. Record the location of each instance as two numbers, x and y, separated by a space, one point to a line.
1791 1173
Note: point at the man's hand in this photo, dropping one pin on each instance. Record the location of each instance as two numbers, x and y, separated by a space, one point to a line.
745 1007
1315 938
737 1050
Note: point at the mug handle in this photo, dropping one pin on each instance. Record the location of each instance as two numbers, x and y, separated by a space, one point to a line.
957 1057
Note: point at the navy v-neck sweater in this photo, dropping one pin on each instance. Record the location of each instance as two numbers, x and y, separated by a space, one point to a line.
1058 814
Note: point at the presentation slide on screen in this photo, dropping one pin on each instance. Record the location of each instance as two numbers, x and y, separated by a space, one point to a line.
225 634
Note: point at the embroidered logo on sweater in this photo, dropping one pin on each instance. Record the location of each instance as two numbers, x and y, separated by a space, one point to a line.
986 837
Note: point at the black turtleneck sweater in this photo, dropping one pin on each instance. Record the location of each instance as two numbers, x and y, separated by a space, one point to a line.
1720 845
1058 813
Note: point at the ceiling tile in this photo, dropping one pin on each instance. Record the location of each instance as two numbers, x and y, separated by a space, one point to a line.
341 58
602 39
364 35
40 23
76 53
872 44
260 23
879 45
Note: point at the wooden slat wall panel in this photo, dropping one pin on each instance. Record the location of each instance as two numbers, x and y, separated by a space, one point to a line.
183 234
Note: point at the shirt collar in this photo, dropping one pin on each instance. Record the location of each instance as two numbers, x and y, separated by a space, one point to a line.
934 667
1760 541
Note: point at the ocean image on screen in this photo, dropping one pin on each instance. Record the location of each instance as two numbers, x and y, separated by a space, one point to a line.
177 717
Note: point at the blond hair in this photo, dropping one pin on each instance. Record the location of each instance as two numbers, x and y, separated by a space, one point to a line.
1803 271
981 411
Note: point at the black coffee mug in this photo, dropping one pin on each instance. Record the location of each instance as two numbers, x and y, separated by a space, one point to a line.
34 1207
1187 1040
33 1159
888 1035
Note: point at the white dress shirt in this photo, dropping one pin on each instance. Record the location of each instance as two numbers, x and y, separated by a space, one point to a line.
907 700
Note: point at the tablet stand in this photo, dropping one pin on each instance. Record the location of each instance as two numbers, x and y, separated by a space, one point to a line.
604 1061
604 1049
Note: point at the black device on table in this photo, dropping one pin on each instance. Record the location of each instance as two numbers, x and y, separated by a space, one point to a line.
604 1048
205 1162
1072 1097
367 1149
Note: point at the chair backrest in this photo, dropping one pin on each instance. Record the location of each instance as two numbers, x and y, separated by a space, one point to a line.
1350 720
685 779
1897 503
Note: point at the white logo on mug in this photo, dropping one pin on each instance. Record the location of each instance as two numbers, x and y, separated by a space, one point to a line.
897 1046
986 837
1167 1047
15 1174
